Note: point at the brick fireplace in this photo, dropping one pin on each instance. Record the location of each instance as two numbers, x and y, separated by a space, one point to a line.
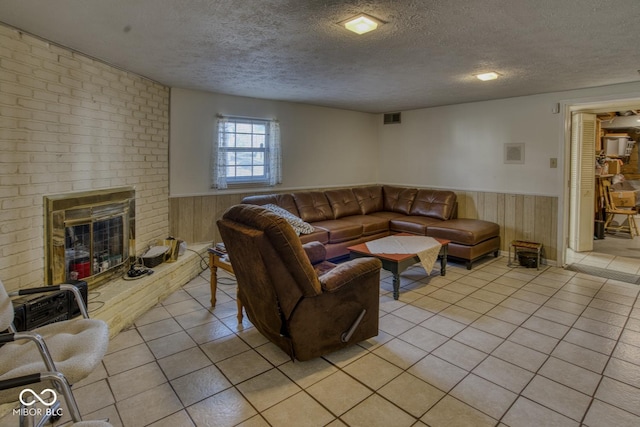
72 125
69 124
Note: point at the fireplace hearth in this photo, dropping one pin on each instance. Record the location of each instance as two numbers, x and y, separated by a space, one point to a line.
89 235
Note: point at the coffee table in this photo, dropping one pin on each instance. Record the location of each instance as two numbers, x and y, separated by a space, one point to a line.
397 263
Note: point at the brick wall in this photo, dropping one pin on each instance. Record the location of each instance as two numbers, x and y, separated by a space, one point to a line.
71 123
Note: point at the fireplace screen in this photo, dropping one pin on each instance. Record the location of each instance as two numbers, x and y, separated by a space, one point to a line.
89 235
93 248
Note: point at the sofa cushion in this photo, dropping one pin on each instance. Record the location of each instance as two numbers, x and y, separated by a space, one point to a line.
284 200
319 235
299 226
464 231
386 215
412 224
370 224
340 230
343 202
434 203
398 199
369 198
313 206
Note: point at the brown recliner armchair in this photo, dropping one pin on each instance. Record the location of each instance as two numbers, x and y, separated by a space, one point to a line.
306 312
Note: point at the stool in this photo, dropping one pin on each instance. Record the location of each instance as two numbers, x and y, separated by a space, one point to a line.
525 246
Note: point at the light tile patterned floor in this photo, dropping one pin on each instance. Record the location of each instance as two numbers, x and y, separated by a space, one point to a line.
492 346
615 252
616 245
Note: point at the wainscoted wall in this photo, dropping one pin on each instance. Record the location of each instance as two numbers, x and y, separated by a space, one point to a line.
193 218
520 216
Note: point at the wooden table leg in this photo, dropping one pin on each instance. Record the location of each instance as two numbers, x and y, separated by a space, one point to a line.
214 279
396 285
443 260
239 308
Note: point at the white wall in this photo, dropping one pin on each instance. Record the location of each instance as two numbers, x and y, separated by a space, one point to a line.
461 146
322 147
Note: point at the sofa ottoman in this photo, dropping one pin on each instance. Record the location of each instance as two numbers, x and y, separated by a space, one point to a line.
470 238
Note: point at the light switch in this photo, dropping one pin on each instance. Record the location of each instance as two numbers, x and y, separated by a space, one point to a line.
553 162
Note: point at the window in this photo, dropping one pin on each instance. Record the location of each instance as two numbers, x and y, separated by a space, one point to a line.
247 152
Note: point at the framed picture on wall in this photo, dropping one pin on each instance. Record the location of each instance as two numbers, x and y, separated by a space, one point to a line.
514 153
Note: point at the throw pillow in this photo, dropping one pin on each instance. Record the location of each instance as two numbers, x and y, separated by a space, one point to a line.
299 226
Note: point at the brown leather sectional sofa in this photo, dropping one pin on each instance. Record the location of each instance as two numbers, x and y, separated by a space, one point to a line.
346 217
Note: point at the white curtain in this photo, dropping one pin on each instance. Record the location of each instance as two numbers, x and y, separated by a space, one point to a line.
219 161
275 156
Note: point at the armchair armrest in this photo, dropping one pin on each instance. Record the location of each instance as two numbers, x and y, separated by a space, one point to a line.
35 338
316 252
348 272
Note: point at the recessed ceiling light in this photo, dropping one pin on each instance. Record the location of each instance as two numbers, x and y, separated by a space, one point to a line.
361 24
487 76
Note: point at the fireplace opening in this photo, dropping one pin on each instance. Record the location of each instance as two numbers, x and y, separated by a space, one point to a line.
89 235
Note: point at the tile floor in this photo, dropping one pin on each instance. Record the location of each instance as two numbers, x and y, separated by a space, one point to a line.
491 346
610 255
619 244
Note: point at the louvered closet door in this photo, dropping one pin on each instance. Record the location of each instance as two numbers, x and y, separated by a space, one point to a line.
582 186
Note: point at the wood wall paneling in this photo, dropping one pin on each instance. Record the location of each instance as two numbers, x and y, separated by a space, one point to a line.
521 217
528 219
508 227
205 208
182 218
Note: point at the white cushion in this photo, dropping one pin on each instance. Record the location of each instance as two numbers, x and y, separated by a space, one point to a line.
77 346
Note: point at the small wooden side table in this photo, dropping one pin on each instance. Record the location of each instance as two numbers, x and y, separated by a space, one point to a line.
216 261
525 246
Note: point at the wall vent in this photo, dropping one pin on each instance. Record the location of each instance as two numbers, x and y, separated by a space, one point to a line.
391 118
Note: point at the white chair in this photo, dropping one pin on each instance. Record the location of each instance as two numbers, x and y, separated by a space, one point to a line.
73 347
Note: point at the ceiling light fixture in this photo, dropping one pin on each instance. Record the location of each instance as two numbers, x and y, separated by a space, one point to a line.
361 24
492 75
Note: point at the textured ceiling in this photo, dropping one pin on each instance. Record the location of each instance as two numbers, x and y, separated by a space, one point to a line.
424 55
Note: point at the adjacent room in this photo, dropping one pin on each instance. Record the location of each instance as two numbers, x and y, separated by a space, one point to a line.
320 213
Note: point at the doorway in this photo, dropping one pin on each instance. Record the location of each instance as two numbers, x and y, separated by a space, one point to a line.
615 251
